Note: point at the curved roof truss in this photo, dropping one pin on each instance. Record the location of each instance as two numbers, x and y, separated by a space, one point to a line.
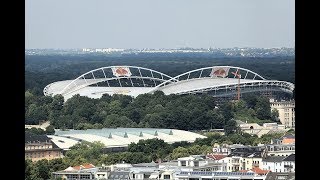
208 72
213 79
109 73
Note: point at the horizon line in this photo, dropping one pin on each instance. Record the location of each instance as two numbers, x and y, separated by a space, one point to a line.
164 48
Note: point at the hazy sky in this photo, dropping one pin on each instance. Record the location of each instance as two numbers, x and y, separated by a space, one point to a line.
159 23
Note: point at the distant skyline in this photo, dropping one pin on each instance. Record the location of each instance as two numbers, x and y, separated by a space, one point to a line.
154 24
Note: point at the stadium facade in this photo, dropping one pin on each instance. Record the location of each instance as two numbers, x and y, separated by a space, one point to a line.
218 81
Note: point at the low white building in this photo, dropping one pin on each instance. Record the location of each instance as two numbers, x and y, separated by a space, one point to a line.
200 163
256 129
279 163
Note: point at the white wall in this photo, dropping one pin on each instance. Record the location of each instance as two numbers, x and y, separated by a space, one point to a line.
273 166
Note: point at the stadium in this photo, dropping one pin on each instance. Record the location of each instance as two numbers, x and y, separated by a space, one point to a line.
218 81
118 139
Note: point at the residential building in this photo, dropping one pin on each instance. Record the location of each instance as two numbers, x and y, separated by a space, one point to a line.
285 139
152 171
289 163
286 111
39 147
280 149
243 158
220 149
83 172
284 146
200 163
279 163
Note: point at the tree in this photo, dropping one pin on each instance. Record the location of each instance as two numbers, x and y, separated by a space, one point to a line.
43 169
263 108
230 127
215 120
275 115
36 131
84 126
50 130
179 152
84 152
115 107
28 169
154 120
36 113
57 102
114 120
251 100
227 111
57 164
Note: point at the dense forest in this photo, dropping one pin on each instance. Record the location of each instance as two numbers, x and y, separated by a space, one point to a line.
186 112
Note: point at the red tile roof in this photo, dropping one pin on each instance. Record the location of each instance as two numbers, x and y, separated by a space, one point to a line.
76 167
88 166
83 166
259 171
216 156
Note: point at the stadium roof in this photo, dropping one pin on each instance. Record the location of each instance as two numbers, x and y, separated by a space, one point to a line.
120 137
133 81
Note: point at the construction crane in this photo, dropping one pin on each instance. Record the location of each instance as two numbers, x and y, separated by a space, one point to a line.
238 75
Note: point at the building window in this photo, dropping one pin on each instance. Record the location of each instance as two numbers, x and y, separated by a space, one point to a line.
166 177
196 163
183 163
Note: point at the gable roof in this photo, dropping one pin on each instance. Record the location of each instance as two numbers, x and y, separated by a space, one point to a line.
291 157
259 171
77 168
30 138
256 170
273 159
288 136
216 156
